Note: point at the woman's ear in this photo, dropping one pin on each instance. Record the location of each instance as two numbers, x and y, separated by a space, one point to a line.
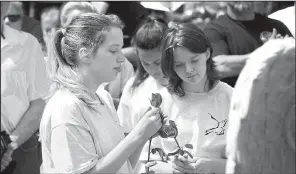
84 55
208 53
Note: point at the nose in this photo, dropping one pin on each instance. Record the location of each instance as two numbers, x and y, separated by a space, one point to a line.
188 68
121 58
6 21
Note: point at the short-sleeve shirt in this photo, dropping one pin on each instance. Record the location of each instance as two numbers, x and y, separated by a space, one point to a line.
75 137
133 104
23 75
232 37
201 119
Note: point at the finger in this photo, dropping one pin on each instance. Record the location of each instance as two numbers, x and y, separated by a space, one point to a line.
2 167
279 36
148 109
150 164
6 158
183 159
274 33
287 36
184 169
177 172
4 163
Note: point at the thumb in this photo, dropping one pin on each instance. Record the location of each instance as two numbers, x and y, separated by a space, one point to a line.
274 33
150 164
147 110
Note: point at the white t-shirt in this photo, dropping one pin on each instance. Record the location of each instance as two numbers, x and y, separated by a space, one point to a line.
23 75
135 102
132 106
74 138
286 16
192 114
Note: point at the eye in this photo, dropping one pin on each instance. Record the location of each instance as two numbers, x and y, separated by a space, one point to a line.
113 51
157 63
178 65
145 64
194 60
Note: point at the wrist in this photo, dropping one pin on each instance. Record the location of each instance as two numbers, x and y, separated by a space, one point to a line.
138 135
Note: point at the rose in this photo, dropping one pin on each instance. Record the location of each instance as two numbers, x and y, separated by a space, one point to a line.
156 100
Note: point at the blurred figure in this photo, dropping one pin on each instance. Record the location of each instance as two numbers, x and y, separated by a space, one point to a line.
50 22
24 83
72 9
261 132
14 15
16 19
238 33
286 16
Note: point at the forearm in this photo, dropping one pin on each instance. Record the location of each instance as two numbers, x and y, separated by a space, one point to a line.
113 161
28 124
134 158
230 65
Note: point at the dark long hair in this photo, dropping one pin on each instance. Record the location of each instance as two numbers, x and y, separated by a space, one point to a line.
147 37
189 36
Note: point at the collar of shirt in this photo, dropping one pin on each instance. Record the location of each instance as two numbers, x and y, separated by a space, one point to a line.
12 37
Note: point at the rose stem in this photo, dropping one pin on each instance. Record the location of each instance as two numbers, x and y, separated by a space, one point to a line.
149 153
177 143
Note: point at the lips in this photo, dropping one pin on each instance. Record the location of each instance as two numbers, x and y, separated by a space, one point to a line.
118 68
191 76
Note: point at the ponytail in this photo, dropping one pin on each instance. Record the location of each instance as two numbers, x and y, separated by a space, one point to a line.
64 74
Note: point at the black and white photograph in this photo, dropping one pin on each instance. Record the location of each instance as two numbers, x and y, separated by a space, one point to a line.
148 87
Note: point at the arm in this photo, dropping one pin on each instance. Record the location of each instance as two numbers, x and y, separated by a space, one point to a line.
226 65
38 88
29 123
112 162
229 65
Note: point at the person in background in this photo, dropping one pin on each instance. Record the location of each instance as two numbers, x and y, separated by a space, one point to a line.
50 23
148 79
199 105
79 130
24 83
286 16
16 18
72 9
238 33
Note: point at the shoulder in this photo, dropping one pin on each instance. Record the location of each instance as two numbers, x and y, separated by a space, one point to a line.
221 22
62 108
224 90
281 13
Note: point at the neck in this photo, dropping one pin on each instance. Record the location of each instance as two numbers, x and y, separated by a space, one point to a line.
91 83
200 87
240 16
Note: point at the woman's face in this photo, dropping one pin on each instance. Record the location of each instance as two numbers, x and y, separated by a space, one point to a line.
14 16
107 60
150 59
190 67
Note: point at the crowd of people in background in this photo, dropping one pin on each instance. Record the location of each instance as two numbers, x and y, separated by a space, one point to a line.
76 84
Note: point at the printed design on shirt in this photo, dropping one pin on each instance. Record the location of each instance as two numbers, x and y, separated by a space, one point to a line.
219 129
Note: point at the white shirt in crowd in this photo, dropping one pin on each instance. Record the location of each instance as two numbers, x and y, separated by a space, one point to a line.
201 119
191 113
74 138
132 106
23 75
286 16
